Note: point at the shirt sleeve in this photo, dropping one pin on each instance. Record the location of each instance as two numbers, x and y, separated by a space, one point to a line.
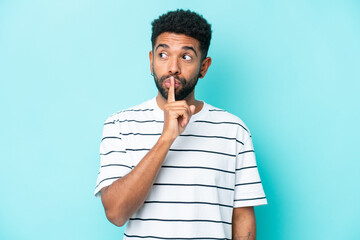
114 160
248 187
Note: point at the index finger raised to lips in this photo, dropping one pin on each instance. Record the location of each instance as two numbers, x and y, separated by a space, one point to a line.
171 93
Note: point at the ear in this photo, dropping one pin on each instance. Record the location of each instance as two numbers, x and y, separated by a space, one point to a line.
205 66
151 61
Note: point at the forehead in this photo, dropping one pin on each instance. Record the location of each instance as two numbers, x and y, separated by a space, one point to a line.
175 40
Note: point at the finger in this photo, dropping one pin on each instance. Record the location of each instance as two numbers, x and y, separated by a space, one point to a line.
169 107
178 112
184 121
192 109
185 118
180 103
171 93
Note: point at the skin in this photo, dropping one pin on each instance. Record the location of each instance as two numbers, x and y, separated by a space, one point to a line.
178 55
243 224
175 56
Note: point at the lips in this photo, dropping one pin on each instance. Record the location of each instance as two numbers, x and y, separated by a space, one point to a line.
167 83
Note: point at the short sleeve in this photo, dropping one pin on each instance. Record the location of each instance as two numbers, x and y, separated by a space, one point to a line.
248 187
114 162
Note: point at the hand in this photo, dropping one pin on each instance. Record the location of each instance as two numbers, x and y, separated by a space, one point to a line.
177 114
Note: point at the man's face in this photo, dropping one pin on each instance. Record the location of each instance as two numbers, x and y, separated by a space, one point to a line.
179 56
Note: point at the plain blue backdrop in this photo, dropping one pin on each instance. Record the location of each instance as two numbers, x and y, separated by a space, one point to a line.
289 69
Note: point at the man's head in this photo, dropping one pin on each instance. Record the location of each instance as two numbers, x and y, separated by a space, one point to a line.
180 42
183 22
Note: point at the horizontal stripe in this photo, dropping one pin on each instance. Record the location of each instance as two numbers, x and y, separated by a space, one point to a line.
107 123
239 169
116 165
138 110
110 138
178 220
192 185
239 142
132 120
183 150
197 167
105 179
182 135
216 110
176 238
141 134
235 123
246 152
205 136
112 152
198 150
241 184
137 149
178 202
140 121
249 199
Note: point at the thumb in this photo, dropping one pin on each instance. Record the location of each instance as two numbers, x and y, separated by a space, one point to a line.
192 109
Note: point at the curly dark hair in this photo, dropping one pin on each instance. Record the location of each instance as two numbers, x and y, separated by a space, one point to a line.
184 22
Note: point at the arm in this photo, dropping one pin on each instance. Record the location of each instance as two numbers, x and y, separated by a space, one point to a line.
126 195
243 224
123 197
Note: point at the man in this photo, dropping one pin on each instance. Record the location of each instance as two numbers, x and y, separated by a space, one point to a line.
175 167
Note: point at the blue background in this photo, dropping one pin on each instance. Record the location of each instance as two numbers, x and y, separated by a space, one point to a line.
289 69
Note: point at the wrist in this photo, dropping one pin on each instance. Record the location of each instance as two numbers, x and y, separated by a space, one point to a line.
165 139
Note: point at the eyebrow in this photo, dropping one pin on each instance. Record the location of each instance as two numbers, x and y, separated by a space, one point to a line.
163 45
190 48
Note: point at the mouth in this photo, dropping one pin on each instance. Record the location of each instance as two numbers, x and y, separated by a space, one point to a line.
167 83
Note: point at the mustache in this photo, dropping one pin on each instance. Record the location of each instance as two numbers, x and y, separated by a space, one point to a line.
181 80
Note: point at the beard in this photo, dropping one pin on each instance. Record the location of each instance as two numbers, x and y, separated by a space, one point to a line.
187 86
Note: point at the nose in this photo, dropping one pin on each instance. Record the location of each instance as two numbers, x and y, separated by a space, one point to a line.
174 67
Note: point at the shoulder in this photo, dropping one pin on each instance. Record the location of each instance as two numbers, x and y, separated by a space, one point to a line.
142 108
219 115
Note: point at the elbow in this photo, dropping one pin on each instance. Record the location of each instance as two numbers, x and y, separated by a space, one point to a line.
115 211
116 218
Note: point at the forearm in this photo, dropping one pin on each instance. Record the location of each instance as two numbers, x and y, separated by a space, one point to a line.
126 195
244 224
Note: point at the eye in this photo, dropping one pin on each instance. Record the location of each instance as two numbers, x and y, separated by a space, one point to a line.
162 55
187 57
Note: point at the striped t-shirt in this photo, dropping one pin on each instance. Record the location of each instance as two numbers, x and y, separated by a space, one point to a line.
209 170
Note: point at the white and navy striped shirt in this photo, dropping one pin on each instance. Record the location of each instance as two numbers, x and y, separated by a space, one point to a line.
209 170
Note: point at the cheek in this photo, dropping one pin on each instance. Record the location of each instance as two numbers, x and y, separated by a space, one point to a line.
195 72
159 67
190 69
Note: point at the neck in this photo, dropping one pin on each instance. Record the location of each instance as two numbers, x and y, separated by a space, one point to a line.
190 100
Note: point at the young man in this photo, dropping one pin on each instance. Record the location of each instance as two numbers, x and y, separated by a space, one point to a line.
175 167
